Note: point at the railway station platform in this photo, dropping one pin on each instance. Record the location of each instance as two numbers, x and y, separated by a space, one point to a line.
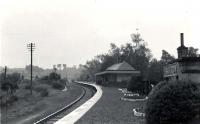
107 108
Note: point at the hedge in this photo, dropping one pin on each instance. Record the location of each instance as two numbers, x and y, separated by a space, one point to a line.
172 103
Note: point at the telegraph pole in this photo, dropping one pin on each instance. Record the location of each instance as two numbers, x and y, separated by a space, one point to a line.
5 71
31 47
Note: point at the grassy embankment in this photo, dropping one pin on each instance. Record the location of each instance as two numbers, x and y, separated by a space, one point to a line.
29 108
111 110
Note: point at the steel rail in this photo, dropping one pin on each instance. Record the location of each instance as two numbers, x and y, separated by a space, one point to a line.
43 120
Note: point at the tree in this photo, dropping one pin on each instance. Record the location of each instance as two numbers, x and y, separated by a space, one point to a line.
136 38
115 52
166 57
192 52
155 71
92 68
11 82
135 53
106 61
54 76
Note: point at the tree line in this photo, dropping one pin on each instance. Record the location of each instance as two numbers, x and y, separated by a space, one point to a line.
137 54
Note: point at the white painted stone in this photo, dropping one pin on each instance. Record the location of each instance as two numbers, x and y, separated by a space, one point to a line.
75 115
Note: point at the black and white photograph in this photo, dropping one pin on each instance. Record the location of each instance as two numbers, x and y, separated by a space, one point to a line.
99 62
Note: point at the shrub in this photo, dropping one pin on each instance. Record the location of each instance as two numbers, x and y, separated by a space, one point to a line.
42 90
10 83
54 76
172 103
10 100
44 93
58 85
136 85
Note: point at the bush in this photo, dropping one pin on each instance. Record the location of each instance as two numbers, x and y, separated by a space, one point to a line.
44 93
42 90
54 76
10 100
172 103
58 85
136 85
10 83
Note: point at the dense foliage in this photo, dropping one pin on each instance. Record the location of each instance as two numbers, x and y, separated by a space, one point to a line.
137 85
135 53
54 76
172 103
10 82
54 79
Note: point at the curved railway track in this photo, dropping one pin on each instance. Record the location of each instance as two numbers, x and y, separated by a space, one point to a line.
87 92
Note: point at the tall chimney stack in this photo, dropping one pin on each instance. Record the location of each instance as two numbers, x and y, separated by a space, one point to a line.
182 39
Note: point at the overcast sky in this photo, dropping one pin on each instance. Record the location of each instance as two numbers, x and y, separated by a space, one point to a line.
73 31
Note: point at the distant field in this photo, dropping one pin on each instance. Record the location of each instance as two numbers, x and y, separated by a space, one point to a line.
111 110
30 108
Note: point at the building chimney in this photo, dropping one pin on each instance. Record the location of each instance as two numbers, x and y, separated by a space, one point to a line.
182 39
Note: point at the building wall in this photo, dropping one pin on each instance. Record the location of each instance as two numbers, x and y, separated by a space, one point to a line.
123 77
180 70
190 77
111 77
118 77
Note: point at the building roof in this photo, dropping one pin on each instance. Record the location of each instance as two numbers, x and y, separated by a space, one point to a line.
118 72
185 59
124 66
120 68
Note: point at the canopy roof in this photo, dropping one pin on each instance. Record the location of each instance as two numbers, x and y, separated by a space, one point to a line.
124 66
120 68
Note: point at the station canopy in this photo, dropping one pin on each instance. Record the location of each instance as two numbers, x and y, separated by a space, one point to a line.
120 68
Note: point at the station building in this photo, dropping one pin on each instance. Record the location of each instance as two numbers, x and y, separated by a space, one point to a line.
184 68
117 73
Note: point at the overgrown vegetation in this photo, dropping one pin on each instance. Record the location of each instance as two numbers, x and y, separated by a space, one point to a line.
12 82
172 102
45 99
54 80
9 82
137 85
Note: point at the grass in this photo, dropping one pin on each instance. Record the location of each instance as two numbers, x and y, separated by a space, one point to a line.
111 110
30 108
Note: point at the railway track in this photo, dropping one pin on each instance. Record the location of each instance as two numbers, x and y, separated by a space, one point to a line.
87 93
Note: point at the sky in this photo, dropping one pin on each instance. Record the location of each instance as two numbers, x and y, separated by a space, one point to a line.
74 31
